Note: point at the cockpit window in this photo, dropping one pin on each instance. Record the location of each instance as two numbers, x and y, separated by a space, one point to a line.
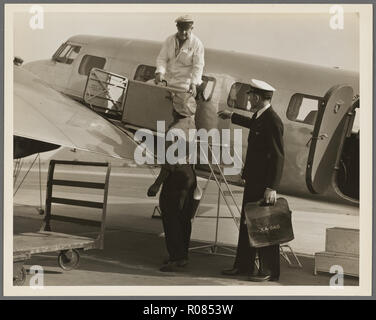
66 53
238 97
303 108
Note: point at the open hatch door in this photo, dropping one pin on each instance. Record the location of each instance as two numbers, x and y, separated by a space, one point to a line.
328 137
147 103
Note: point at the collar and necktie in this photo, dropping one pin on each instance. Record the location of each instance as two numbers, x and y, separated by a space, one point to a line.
260 112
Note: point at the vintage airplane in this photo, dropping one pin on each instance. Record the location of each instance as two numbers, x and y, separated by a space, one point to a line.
317 106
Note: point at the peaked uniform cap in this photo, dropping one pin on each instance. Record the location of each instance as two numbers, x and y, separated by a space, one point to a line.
184 19
262 87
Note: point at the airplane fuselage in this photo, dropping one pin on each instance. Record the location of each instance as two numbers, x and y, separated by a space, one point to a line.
301 89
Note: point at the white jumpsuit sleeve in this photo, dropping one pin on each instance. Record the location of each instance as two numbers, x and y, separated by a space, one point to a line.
162 58
198 64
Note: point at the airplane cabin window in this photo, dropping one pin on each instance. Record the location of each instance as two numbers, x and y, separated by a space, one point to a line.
303 108
66 53
238 97
144 73
89 62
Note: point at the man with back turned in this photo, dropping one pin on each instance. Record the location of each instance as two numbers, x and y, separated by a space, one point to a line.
180 63
262 173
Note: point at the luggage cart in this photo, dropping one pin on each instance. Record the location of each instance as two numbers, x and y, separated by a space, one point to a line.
68 246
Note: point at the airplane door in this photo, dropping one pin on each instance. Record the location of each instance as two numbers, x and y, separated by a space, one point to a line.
146 104
327 138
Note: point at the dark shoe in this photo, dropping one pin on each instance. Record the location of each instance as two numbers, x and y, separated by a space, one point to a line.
168 267
262 278
173 266
166 260
233 272
179 262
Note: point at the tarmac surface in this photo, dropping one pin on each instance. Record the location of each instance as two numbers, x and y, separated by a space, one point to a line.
134 244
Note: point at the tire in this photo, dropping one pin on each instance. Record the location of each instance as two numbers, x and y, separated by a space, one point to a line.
20 278
68 259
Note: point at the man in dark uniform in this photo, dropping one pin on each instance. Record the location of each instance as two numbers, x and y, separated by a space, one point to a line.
178 184
176 199
262 173
176 203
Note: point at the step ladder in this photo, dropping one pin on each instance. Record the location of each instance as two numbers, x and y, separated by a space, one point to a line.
225 192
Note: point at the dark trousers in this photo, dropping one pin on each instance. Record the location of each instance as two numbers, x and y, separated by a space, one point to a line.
245 254
177 227
176 202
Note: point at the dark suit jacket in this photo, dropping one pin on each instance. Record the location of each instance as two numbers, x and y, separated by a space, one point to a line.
177 190
265 155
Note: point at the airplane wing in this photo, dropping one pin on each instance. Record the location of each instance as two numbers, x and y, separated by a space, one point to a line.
41 113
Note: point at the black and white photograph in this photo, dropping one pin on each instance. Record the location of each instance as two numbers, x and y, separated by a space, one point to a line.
188 150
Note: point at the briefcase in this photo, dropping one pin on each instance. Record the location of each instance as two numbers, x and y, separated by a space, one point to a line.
268 224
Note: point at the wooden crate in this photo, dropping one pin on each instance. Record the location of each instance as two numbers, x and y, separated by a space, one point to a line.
342 240
325 260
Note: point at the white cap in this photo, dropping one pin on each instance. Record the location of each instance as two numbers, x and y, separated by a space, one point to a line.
184 19
261 85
